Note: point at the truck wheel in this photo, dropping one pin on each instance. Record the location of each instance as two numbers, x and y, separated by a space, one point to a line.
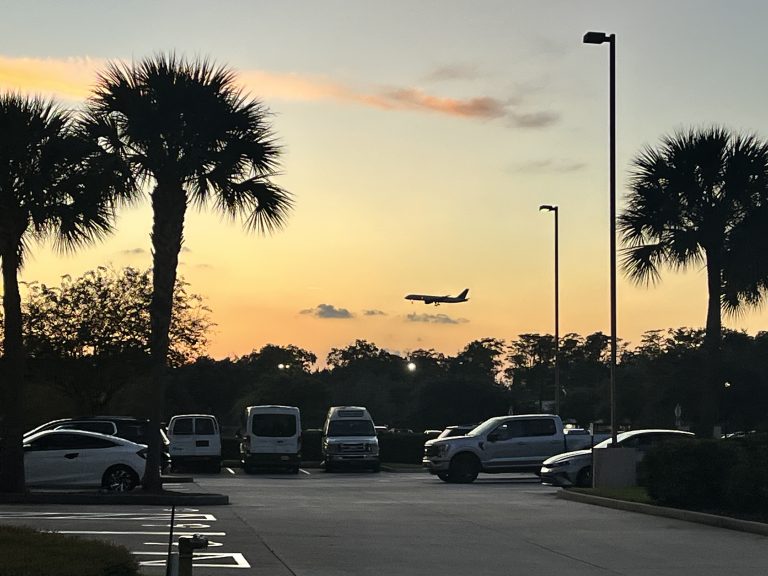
464 469
443 476
584 479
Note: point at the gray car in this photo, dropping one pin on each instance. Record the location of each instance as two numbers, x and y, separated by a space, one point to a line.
575 468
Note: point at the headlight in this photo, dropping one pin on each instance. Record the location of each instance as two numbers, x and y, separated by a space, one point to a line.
558 464
443 449
331 448
372 448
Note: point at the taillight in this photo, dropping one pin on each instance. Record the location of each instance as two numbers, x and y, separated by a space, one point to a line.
142 453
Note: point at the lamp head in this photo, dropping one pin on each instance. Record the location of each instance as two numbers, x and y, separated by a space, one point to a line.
548 207
596 38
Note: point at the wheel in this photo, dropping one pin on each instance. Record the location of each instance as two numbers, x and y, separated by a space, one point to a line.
376 467
214 467
584 479
443 476
464 469
328 467
248 468
294 470
120 479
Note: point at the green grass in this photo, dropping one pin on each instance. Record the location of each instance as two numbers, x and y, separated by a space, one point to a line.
630 494
27 552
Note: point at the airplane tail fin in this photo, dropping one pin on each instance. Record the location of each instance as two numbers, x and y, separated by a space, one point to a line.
464 293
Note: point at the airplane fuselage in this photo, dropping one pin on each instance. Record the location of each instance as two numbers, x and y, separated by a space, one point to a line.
437 300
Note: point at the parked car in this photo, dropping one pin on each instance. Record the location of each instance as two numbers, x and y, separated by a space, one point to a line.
126 427
501 444
195 439
80 458
271 438
349 439
575 468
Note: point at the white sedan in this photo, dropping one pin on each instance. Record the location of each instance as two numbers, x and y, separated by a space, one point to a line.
79 458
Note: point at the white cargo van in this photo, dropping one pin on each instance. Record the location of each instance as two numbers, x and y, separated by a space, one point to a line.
271 438
195 438
349 439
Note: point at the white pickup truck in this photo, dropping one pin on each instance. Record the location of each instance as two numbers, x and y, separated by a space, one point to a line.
501 444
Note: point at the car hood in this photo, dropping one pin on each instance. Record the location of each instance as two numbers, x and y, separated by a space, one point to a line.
351 439
568 456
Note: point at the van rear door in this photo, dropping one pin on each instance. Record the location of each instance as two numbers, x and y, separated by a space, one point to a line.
274 433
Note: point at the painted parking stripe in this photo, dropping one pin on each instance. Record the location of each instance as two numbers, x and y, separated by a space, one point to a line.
304 472
229 470
106 516
201 559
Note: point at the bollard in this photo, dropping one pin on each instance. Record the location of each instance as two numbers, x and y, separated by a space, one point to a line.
186 547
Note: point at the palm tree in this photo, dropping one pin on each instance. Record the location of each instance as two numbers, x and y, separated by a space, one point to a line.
54 183
191 137
701 199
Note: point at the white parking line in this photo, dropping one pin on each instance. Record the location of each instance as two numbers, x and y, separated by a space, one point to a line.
200 559
304 472
105 516
229 470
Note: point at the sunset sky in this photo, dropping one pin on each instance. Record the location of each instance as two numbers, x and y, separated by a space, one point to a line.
419 140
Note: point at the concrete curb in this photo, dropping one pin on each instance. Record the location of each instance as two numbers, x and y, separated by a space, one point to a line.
676 513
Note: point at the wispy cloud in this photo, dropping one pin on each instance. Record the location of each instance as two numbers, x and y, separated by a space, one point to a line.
435 319
549 165
327 311
374 313
452 72
134 252
72 79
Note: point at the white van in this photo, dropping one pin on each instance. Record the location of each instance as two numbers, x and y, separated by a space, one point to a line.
349 439
195 438
271 438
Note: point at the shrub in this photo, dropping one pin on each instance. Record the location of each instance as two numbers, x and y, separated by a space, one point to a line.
26 552
690 474
747 487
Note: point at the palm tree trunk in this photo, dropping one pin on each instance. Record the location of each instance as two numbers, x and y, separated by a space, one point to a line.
712 379
169 204
12 393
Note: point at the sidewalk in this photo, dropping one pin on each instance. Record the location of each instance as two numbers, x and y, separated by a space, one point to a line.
173 495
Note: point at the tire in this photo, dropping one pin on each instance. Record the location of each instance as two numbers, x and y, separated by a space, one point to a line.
328 467
120 478
214 467
443 476
376 467
294 470
584 479
464 469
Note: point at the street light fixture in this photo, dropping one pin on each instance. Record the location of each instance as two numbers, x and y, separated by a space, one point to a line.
550 208
601 38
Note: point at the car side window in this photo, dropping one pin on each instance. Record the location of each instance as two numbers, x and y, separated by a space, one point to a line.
507 430
66 442
204 426
539 427
183 426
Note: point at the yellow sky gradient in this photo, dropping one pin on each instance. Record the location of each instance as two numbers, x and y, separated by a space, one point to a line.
405 183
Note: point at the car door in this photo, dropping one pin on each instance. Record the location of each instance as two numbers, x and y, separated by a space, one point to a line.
182 437
55 458
522 442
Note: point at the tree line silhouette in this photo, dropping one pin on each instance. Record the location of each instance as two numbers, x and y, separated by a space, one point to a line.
182 132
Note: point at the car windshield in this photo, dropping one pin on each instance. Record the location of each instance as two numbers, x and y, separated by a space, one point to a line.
350 428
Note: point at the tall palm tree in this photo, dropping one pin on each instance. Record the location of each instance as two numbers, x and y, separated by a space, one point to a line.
701 198
191 136
54 183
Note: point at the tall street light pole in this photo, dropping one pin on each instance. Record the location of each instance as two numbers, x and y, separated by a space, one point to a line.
549 208
601 38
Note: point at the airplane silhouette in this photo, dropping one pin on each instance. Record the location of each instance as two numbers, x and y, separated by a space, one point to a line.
437 300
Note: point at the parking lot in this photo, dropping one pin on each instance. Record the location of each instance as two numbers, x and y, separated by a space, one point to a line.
335 524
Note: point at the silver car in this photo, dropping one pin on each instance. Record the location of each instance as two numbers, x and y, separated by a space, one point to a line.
575 468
